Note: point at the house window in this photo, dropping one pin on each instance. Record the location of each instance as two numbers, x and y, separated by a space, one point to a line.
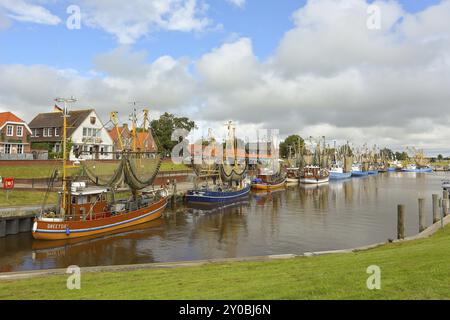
19 131
7 148
56 132
93 119
45 133
9 131
19 149
36 132
50 132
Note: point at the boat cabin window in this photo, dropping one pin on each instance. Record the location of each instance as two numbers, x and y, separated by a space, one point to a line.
82 212
74 199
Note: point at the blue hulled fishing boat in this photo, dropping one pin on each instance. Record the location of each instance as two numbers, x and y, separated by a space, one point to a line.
229 178
357 171
217 196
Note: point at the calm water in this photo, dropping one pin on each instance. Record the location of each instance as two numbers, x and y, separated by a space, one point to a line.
339 215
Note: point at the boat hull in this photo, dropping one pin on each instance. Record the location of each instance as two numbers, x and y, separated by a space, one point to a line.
48 230
360 173
267 186
314 180
418 170
292 181
372 172
340 175
203 196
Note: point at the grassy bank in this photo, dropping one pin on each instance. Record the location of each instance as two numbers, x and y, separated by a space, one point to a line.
23 198
37 171
410 270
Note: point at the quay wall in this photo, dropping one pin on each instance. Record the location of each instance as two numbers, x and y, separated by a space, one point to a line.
17 220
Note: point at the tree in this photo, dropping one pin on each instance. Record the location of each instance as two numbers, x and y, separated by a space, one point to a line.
387 153
291 144
401 156
164 127
440 157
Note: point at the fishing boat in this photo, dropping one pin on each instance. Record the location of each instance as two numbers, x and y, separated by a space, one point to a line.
314 175
419 162
357 170
337 172
230 180
292 176
268 179
414 168
85 210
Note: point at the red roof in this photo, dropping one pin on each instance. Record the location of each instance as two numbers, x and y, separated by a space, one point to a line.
9 117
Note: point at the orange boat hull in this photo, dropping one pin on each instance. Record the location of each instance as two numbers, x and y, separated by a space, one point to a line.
263 186
44 230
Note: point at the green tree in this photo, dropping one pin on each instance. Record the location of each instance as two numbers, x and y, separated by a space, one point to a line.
401 156
440 157
163 128
291 144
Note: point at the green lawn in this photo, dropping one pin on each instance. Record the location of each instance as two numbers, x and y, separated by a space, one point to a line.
23 198
409 270
46 170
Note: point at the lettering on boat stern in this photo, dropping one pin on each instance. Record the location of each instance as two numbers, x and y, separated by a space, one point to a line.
58 226
226 309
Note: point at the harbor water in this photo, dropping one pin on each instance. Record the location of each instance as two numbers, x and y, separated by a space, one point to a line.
338 215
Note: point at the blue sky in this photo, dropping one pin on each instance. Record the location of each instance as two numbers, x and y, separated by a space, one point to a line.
264 22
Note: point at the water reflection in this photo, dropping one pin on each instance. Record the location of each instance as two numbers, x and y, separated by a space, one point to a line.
341 214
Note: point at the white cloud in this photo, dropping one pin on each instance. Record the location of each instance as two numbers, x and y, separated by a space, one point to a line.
237 3
23 11
131 20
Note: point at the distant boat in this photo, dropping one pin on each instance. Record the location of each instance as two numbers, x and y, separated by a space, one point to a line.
217 195
337 173
268 180
292 176
314 175
415 168
229 178
357 170
372 172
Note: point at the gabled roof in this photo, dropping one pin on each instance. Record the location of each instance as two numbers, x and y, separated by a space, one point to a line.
55 119
123 131
145 141
9 117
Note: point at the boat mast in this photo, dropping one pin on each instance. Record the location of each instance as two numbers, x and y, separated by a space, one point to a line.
64 177
114 120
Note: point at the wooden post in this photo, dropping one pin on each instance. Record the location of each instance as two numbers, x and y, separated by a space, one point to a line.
436 214
445 196
444 210
421 214
401 221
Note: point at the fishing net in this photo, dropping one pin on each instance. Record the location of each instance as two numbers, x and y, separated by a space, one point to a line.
104 173
140 172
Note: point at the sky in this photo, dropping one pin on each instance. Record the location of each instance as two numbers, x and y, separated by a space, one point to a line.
375 72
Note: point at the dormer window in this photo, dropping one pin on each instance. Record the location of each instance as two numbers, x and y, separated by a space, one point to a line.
56 132
9 130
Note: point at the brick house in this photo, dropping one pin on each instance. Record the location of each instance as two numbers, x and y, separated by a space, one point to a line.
125 135
14 137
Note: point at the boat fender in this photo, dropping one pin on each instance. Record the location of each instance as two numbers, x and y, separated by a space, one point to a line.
67 231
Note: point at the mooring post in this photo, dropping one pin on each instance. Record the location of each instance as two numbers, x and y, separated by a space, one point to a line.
422 221
401 221
445 197
436 214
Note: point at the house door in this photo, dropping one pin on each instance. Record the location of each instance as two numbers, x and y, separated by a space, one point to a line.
96 152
